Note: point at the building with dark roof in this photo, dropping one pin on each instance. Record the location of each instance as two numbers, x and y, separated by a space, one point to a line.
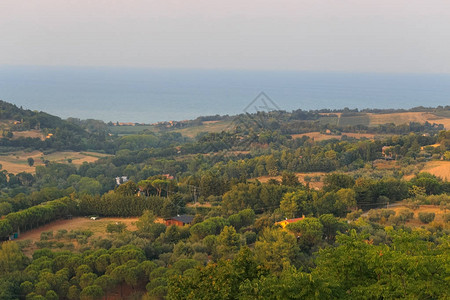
179 220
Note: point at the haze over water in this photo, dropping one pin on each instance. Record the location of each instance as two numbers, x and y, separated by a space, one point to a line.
152 95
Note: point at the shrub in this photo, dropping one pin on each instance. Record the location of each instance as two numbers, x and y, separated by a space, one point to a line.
405 214
60 234
396 220
46 235
413 204
250 237
446 217
116 227
374 215
426 217
386 213
354 215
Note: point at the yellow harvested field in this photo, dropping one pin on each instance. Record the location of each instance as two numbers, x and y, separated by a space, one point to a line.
438 168
30 133
16 168
207 126
423 208
406 117
381 164
338 114
78 158
445 122
301 178
209 122
317 136
16 162
98 227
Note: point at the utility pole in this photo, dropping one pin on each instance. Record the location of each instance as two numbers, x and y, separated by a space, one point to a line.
195 194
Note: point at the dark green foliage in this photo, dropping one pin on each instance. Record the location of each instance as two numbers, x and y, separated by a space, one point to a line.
211 226
336 181
426 217
115 227
242 219
39 215
116 204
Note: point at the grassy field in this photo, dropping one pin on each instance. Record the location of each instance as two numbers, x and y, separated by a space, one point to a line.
362 119
301 178
415 222
205 127
98 228
192 131
443 114
438 168
371 119
16 162
405 118
78 158
328 120
28 134
381 164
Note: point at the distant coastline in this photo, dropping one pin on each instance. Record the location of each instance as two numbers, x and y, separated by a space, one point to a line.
149 96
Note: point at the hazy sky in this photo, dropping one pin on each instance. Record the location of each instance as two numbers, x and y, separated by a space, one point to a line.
318 35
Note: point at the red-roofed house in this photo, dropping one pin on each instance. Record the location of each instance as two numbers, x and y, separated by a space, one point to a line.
284 223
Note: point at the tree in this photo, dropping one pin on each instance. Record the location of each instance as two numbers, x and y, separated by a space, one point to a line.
275 247
159 185
11 258
331 225
429 182
221 280
242 196
289 179
426 217
133 274
119 274
242 219
169 209
91 292
106 282
51 295
336 181
290 284
127 189
26 287
89 186
228 241
409 267
87 279
289 206
30 161
345 201
5 208
309 232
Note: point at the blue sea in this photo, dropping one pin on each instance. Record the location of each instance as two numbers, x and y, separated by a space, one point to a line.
152 95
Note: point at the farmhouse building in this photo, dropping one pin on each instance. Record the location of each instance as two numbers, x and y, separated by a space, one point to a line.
284 223
179 220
